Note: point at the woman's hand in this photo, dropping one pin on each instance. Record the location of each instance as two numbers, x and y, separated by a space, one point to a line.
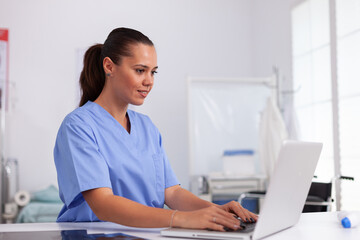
212 217
244 214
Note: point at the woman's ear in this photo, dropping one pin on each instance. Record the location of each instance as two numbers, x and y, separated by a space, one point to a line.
108 65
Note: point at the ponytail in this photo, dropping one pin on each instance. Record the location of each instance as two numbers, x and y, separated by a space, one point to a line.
116 46
92 78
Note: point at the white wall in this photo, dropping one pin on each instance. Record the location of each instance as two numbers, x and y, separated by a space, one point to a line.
225 38
271 21
193 38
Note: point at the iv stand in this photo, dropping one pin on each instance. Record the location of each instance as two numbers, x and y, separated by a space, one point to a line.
2 147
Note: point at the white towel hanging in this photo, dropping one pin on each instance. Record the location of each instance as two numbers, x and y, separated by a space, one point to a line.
272 133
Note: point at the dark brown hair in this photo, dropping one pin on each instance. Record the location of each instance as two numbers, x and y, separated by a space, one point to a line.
116 46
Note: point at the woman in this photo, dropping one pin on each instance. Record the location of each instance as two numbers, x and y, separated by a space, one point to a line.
110 161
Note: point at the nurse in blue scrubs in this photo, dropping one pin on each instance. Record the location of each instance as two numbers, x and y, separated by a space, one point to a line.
110 161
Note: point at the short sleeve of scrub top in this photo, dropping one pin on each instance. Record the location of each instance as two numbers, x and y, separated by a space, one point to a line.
93 150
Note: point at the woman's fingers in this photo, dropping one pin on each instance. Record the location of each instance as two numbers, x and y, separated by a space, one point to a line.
212 218
241 212
254 216
223 223
223 218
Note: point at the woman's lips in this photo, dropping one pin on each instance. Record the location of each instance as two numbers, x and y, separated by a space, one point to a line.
143 93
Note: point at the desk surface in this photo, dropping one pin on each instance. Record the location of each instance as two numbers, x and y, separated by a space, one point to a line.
311 226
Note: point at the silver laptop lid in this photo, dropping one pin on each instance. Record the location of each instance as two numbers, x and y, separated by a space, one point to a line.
288 187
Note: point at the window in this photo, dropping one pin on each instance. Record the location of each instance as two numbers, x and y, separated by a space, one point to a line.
312 73
312 61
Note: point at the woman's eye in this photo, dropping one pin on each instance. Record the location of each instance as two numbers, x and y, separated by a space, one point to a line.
140 70
153 72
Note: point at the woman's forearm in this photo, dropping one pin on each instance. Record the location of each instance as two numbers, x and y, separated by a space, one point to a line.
184 200
112 208
193 211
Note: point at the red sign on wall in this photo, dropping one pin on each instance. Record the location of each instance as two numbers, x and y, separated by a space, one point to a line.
4 65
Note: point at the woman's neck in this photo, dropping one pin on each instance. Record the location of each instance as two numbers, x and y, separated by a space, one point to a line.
118 111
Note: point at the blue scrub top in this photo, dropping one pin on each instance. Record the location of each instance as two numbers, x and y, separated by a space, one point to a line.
93 150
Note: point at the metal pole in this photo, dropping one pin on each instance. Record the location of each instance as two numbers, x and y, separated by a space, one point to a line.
2 149
277 90
335 101
4 92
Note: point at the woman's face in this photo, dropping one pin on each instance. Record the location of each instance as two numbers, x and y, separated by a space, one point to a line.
132 80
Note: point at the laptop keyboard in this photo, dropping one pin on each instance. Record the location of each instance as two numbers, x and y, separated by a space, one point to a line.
245 227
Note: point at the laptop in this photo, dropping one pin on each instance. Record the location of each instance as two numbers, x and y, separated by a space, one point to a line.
285 198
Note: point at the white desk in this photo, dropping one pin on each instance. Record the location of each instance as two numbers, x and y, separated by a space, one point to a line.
311 226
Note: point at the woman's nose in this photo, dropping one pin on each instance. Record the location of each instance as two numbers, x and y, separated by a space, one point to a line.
148 80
